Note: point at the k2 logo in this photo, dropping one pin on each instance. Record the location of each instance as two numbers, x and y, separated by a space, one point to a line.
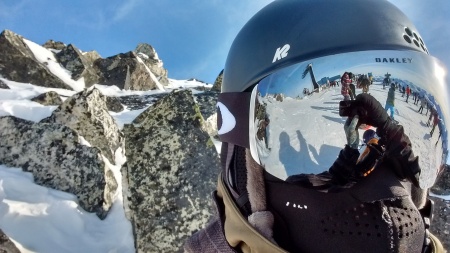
281 53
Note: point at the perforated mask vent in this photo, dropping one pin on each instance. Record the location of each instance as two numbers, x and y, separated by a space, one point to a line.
406 220
412 37
360 221
396 224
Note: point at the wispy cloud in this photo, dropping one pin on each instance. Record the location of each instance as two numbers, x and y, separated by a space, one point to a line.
92 20
98 17
125 9
10 9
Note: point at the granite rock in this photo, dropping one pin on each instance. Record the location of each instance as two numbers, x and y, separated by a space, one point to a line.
80 66
6 245
126 71
172 166
48 98
217 86
55 157
18 63
3 85
86 112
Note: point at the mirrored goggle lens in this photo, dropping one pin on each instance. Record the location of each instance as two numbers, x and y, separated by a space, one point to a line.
295 125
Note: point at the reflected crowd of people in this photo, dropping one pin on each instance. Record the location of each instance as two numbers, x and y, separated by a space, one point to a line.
399 91
425 102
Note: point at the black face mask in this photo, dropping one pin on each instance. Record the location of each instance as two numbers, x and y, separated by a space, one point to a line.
376 214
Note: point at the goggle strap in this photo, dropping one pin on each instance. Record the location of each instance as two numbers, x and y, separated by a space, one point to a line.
233 118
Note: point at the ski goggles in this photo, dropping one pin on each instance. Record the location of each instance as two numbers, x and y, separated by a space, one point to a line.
291 121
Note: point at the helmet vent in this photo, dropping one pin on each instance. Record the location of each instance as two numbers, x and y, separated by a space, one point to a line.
412 37
408 31
423 48
407 38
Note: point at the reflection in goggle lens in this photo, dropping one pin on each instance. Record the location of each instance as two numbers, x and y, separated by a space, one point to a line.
297 111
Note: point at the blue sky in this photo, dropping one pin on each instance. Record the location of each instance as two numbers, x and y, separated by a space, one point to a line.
192 37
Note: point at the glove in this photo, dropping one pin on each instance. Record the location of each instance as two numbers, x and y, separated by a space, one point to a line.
342 168
370 111
398 147
399 154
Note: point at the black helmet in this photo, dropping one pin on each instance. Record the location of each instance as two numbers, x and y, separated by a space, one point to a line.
277 108
368 135
289 31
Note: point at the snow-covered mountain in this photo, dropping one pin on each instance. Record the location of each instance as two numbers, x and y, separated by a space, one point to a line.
74 176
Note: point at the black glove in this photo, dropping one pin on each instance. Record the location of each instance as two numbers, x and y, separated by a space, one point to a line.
370 111
343 168
397 144
399 153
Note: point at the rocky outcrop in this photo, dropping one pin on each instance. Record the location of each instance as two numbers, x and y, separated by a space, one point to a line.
136 102
171 168
18 63
55 157
140 69
210 126
3 85
56 45
126 71
217 86
207 103
92 56
442 185
48 98
80 66
440 225
113 104
86 112
149 56
6 245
